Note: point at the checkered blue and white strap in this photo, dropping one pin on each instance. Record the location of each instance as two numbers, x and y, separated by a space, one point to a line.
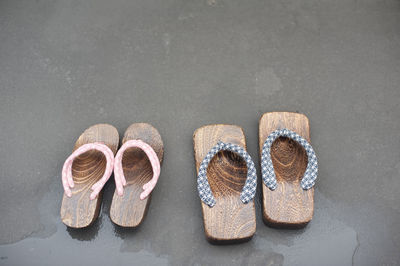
267 169
249 188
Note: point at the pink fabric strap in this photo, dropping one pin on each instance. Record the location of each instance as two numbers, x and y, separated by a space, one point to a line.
66 175
120 180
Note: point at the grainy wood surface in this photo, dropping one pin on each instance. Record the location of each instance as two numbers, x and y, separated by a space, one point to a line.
129 210
79 211
230 220
289 205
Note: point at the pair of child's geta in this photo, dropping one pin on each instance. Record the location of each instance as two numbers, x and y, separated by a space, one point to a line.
226 181
136 168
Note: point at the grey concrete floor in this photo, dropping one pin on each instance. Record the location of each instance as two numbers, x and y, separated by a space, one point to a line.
179 64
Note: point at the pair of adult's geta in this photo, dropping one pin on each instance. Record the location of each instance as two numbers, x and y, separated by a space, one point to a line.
226 176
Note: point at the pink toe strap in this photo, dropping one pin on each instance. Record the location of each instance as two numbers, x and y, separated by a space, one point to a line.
120 180
66 175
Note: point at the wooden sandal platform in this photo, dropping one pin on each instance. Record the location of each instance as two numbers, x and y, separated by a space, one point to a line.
289 168
226 183
136 172
84 174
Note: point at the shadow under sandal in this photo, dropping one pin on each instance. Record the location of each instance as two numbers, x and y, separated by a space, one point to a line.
84 174
289 169
136 172
226 183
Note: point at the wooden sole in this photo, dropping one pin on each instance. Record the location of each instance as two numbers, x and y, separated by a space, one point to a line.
129 210
79 211
289 206
230 220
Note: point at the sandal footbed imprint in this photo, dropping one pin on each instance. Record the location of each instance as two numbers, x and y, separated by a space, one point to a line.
79 211
289 206
230 220
129 210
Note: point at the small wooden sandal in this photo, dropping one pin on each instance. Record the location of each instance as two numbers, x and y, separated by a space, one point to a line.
84 174
136 172
226 183
289 169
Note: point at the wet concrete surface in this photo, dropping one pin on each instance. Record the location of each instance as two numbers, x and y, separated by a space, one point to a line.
66 65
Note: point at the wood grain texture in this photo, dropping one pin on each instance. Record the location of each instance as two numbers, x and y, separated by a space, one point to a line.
79 211
129 210
230 220
289 206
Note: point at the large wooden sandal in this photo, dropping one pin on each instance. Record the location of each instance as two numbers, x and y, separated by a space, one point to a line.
226 183
136 172
84 174
289 168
